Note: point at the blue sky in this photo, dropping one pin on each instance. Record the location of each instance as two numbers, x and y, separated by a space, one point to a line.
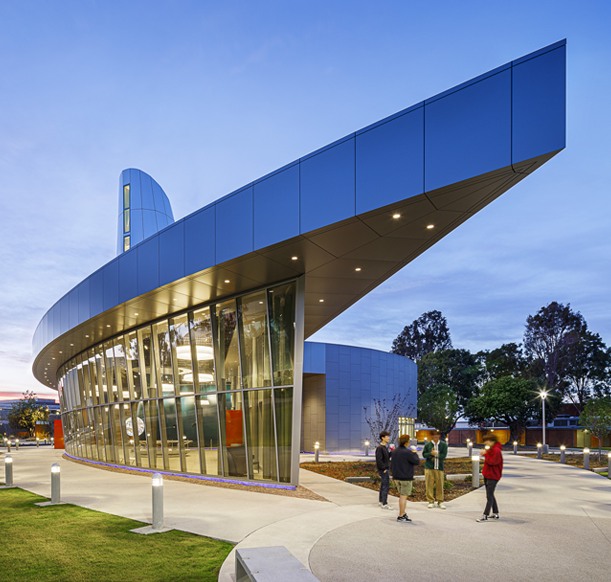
207 96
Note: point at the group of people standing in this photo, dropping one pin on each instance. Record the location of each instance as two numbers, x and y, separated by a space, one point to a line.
401 462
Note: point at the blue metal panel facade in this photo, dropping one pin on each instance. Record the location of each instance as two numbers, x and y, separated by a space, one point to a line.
390 161
355 377
276 207
234 234
149 265
200 240
539 103
172 253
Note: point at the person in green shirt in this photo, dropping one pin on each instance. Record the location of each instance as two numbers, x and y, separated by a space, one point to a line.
434 452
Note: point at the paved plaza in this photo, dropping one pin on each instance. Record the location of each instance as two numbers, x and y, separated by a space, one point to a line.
555 522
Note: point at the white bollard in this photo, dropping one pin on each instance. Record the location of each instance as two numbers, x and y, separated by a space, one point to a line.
586 459
8 471
475 471
55 483
562 454
316 449
367 443
157 501
539 451
515 447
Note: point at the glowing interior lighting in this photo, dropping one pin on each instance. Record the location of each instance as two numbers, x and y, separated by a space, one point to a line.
321 301
396 216
430 226
294 258
201 377
227 281
358 269
202 353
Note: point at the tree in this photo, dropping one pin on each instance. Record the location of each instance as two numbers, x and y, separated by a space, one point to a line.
428 333
596 417
458 369
588 369
508 400
24 413
508 360
439 408
548 337
385 416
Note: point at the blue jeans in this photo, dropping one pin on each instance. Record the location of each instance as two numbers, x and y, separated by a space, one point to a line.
384 486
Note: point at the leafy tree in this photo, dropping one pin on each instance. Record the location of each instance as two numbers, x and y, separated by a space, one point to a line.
508 400
548 337
596 417
588 369
429 333
439 408
458 369
385 416
24 413
508 360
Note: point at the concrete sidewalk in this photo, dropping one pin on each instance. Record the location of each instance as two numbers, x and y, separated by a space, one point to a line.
556 522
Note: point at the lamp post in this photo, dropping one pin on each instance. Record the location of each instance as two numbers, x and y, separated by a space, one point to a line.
562 454
515 447
316 451
543 394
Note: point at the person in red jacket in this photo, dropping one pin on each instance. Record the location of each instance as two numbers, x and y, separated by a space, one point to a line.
492 472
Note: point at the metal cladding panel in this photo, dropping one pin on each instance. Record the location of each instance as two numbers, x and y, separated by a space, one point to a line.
148 265
135 191
96 292
149 225
111 284
276 207
468 131
84 301
128 275
314 358
234 228
172 253
64 313
73 308
390 161
539 103
200 240
327 186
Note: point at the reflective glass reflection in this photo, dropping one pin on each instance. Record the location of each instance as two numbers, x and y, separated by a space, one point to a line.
163 357
231 419
254 341
260 434
201 333
181 354
283 398
228 356
282 315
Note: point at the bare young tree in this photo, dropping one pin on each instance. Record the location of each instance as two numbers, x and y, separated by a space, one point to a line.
385 416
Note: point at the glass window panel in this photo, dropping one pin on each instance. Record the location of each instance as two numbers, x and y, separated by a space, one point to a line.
201 336
108 436
138 434
188 421
130 436
126 196
153 434
282 326
132 360
163 357
172 434
283 398
99 433
208 434
94 378
147 364
111 378
254 341
232 433
117 429
181 354
126 217
260 434
126 243
121 370
228 355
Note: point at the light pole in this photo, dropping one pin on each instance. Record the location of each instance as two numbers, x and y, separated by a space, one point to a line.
543 394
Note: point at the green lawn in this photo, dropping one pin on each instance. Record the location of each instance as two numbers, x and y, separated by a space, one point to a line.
69 543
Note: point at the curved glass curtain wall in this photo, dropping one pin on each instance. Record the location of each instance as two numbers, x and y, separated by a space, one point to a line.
207 392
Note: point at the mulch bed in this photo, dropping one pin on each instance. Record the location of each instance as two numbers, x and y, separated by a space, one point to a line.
576 460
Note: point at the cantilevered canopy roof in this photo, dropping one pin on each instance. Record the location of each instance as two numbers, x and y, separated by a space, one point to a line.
346 217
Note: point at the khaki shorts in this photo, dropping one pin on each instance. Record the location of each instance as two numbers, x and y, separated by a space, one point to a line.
404 487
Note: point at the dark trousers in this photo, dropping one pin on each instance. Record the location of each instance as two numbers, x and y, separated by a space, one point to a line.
490 499
384 486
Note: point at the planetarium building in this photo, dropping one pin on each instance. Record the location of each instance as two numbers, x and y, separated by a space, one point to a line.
186 353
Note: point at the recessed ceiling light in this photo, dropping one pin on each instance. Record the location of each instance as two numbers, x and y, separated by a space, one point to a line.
396 215
358 269
136 314
86 335
61 352
227 281
321 301
294 258
72 345
430 226
108 325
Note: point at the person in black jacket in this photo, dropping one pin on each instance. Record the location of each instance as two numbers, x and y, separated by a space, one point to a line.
402 467
383 466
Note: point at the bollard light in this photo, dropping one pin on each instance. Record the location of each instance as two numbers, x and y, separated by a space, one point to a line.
515 447
475 471
8 471
539 451
157 501
17 444
469 447
586 459
37 442
316 451
55 483
562 454
367 443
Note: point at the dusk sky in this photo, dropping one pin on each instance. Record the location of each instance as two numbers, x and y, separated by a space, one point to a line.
208 96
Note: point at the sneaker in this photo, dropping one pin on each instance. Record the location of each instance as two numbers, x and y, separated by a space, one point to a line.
482 518
441 506
403 518
385 506
495 516
430 506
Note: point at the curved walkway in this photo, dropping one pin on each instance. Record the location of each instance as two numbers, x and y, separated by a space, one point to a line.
556 522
